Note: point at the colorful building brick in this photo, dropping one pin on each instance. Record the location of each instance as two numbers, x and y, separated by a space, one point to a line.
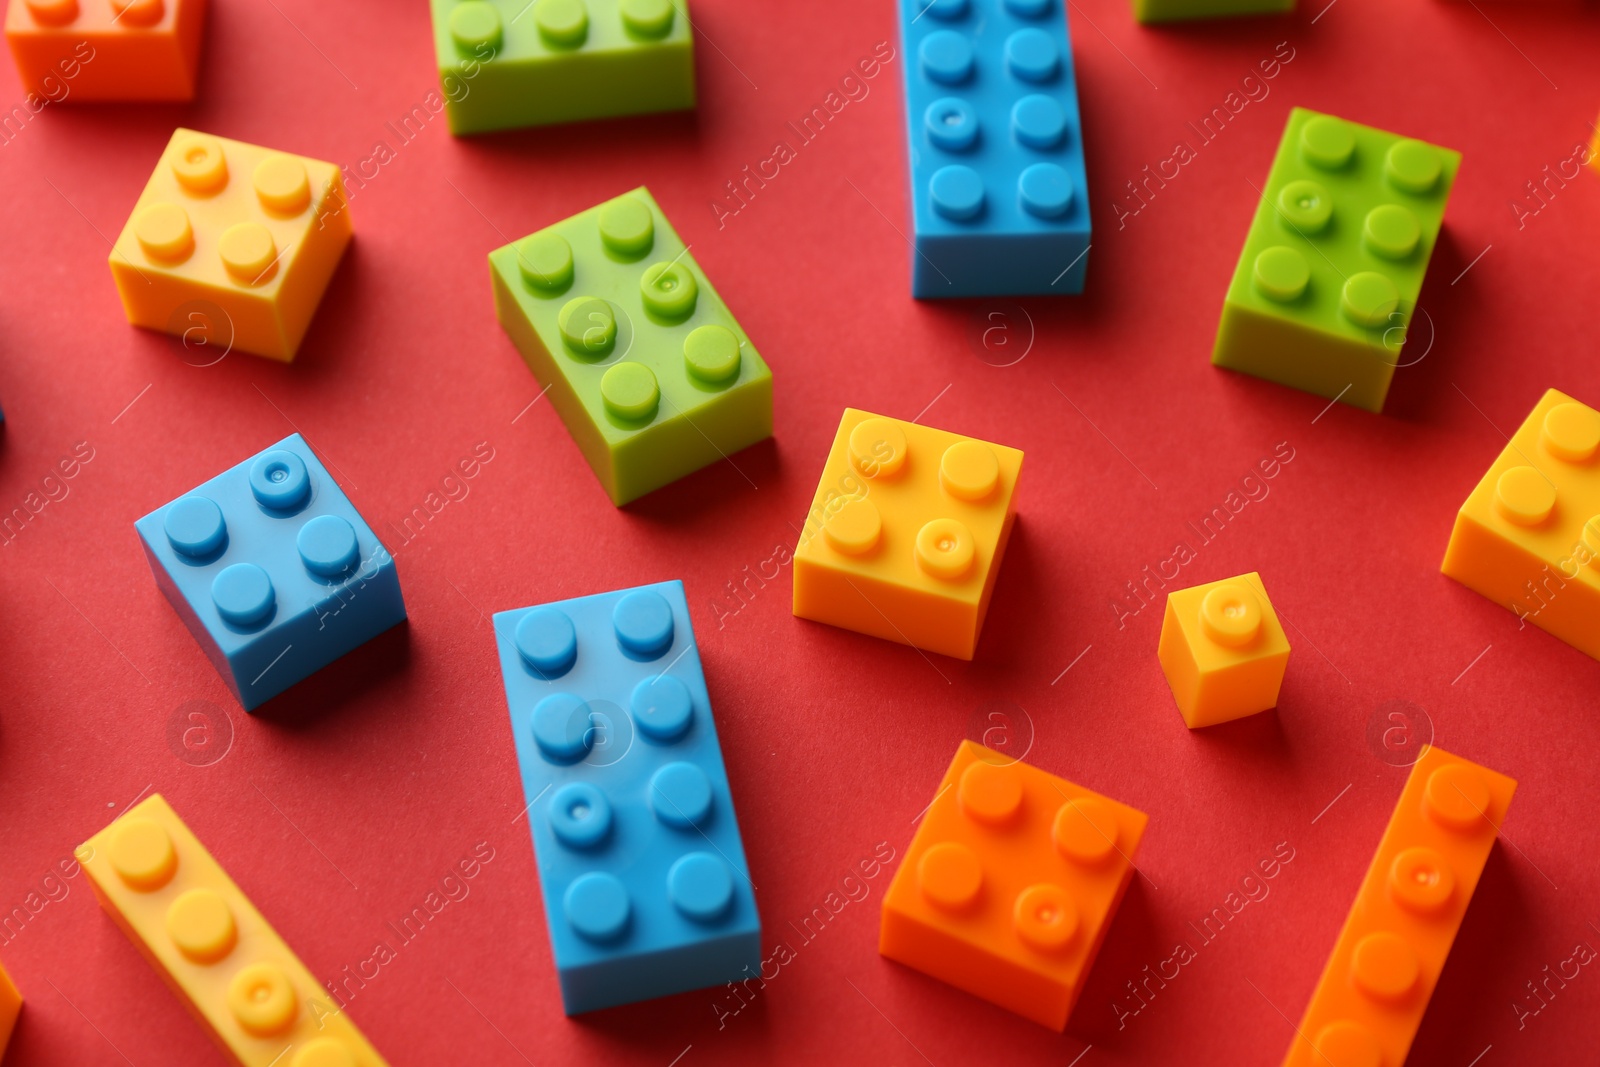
508 63
646 889
1528 537
906 533
231 245
10 1008
1332 268
97 50
1223 650
273 570
1010 884
1000 200
217 952
1175 10
1386 963
649 370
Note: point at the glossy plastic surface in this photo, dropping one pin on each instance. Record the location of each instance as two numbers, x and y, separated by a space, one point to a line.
1528 536
1010 884
10 1007
906 533
1174 10
1000 201
1223 650
231 245
273 570
507 63
1378 982
649 369
217 952
97 50
646 889
1333 264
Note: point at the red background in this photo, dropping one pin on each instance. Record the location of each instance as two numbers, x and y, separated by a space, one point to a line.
345 805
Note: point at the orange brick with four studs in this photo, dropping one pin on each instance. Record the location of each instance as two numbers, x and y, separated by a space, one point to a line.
1010 884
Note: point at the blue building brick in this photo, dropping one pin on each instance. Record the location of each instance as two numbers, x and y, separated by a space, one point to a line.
646 890
999 196
273 570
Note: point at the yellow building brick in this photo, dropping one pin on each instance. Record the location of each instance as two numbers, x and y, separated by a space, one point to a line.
1223 650
231 245
216 951
1528 536
906 533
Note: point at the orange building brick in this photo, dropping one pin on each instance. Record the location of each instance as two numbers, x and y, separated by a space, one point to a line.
1377 984
231 245
215 950
10 1008
1528 537
1223 650
107 49
1010 884
906 534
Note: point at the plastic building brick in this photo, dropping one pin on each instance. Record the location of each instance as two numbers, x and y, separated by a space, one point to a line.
1528 536
1333 264
906 534
651 373
216 951
1000 201
503 65
273 570
107 49
1172 10
232 245
10 1007
1376 987
1223 650
646 889
1010 884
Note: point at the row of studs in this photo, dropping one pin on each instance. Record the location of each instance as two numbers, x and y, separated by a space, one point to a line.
944 547
1384 966
475 25
1044 916
247 249
243 593
200 923
1305 208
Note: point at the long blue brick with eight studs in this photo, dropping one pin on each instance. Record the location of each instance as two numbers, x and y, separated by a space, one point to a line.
998 191
646 890
273 570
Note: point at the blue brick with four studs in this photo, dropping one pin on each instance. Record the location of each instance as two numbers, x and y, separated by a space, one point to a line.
646 889
999 196
273 570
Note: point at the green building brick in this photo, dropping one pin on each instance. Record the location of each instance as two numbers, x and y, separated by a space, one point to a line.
1333 265
1173 10
651 373
509 63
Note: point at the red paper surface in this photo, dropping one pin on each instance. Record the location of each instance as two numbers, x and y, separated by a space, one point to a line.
342 809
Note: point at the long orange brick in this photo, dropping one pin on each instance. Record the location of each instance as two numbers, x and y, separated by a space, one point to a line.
1376 987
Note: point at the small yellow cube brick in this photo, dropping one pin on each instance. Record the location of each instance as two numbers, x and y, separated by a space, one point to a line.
1223 650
